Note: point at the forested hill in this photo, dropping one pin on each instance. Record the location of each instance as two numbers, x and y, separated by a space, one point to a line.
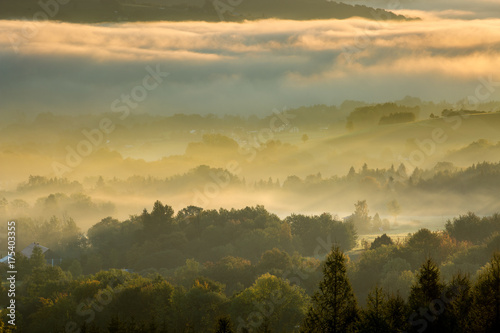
92 11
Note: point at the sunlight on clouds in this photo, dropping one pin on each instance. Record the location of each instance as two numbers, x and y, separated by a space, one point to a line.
298 61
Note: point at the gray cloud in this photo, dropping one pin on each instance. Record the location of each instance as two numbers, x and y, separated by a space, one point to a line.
244 68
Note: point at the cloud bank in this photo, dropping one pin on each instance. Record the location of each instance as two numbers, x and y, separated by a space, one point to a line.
243 68
464 9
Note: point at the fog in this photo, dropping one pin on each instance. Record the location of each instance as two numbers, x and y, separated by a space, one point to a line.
191 169
243 68
308 160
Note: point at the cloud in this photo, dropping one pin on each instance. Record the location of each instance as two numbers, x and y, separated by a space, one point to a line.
458 9
243 68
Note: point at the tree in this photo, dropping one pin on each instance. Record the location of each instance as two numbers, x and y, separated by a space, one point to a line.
428 286
424 241
460 289
394 209
468 227
360 217
374 319
486 304
334 308
75 269
426 300
398 277
224 325
37 259
352 173
381 240
199 307
160 219
397 313
305 137
402 171
377 223
271 304
274 259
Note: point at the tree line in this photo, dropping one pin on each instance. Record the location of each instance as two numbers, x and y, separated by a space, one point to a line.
124 277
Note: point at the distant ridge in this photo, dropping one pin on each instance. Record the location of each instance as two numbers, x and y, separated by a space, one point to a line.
95 11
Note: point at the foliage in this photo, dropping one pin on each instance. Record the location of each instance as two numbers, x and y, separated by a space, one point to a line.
334 308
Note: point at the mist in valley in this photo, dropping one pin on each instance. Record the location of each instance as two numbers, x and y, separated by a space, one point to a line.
249 166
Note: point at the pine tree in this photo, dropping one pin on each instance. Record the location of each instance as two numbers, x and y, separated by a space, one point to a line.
459 292
37 259
224 325
334 308
486 305
374 318
398 313
425 300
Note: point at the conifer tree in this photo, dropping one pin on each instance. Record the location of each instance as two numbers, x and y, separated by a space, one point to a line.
459 292
224 325
426 300
397 313
334 308
374 317
485 315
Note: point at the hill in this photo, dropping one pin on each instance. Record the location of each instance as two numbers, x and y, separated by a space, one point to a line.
93 11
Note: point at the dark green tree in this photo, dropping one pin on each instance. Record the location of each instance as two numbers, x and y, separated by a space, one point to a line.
224 325
334 308
160 219
459 291
486 304
426 300
37 259
381 240
374 317
397 312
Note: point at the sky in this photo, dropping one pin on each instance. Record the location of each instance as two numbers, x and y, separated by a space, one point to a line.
464 9
248 68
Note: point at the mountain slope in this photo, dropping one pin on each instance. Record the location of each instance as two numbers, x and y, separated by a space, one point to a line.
92 11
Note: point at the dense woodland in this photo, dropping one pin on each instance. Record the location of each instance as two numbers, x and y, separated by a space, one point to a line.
199 270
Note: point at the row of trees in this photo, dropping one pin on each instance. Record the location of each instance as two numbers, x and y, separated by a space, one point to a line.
115 301
164 239
432 306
